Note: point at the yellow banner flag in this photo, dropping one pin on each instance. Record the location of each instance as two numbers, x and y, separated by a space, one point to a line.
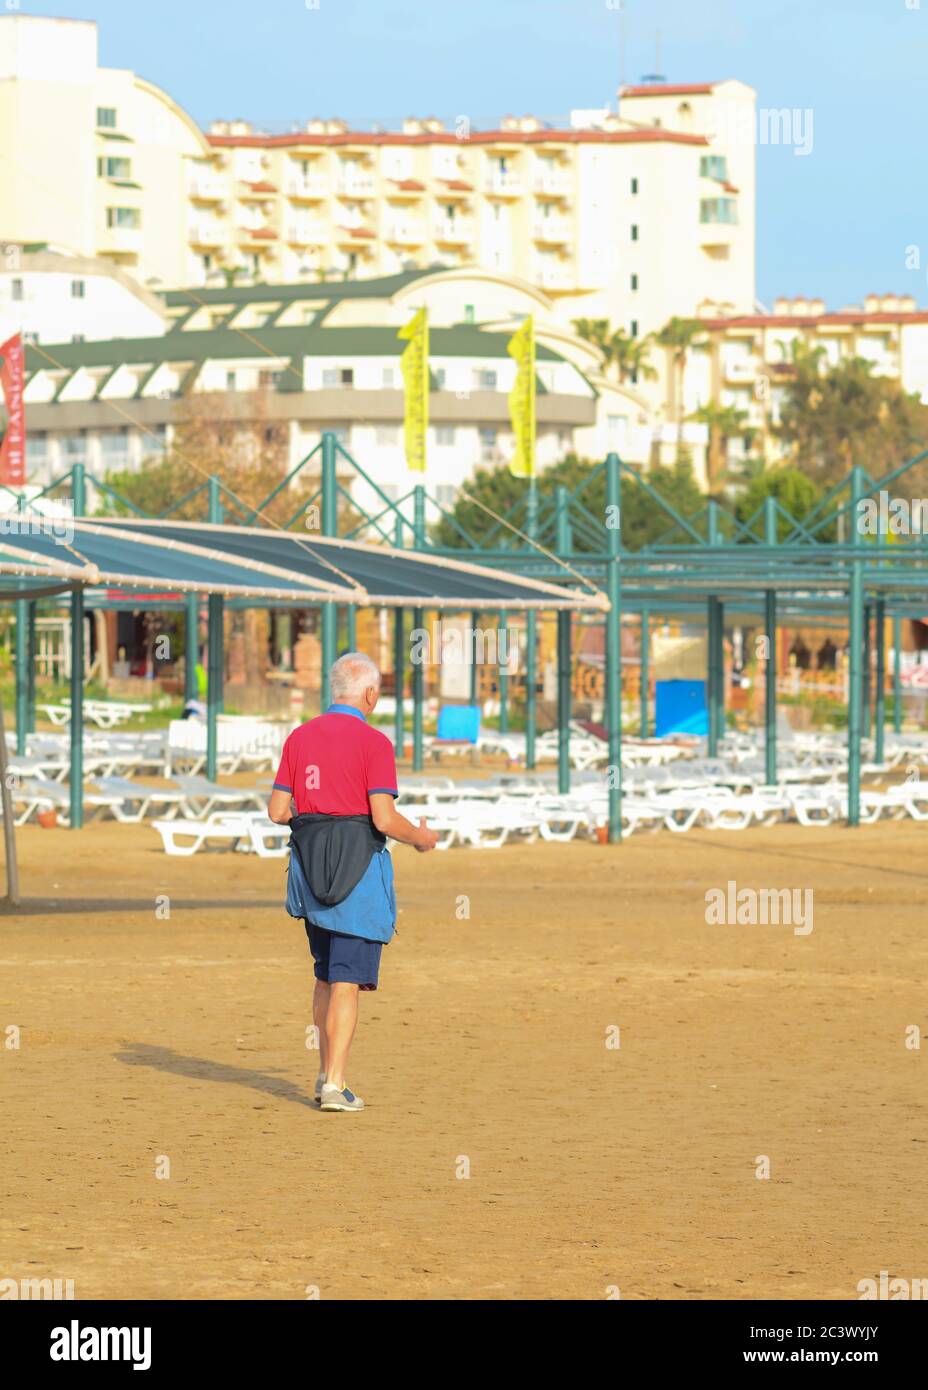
414 365
522 400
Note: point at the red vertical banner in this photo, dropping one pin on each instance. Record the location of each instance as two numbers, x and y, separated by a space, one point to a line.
13 419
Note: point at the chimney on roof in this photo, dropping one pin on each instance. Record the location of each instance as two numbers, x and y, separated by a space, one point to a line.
782 307
433 125
816 307
240 127
906 304
219 128
412 126
872 304
336 126
509 123
316 126
530 123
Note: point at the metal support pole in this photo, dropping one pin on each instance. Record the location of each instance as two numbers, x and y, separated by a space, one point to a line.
880 635
770 627
215 664
474 685
614 647
214 499
31 651
855 654
329 528
399 660
866 720
418 695
77 710
22 674
191 646
351 616
563 547
644 673
897 675
715 654
531 640
563 700
502 671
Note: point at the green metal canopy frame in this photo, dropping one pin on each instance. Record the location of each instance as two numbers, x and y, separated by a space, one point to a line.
532 560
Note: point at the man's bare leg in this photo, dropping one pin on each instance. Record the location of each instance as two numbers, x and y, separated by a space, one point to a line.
320 1013
341 1021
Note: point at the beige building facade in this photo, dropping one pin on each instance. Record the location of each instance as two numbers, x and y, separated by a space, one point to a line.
634 214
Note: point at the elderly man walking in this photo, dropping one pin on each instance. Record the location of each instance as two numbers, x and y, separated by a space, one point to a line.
335 788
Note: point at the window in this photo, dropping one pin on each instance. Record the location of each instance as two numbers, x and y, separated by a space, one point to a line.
441 377
37 453
634 187
30 337
114 448
113 167
714 166
634 231
633 329
469 313
16 289
337 376
341 435
154 440
719 210
485 379
78 338
634 282
389 378
387 436
270 379
487 444
124 217
445 436
77 289
106 117
445 494
231 381
73 449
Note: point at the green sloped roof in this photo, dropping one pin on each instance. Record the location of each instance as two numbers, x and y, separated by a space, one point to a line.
378 287
463 340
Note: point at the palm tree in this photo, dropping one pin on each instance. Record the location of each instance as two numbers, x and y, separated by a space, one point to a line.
630 356
677 338
627 354
725 422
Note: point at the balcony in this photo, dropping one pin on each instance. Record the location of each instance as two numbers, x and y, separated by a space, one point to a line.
406 233
554 278
353 235
307 234
741 369
355 185
207 234
552 185
503 185
451 232
308 189
552 230
121 240
207 190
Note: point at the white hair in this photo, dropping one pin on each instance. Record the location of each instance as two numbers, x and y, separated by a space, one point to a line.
351 675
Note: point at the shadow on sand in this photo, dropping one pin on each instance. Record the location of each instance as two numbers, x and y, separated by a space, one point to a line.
201 1069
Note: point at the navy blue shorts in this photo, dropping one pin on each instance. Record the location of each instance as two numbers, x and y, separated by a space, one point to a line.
351 959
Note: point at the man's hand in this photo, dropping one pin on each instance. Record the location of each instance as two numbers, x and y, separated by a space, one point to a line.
425 839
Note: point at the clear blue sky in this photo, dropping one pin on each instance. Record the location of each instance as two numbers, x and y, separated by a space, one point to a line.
835 223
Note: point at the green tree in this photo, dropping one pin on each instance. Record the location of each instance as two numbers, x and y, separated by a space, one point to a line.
643 519
794 491
630 356
676 338
833 418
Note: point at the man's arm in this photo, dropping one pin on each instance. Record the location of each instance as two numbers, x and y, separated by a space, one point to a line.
278 808
389 822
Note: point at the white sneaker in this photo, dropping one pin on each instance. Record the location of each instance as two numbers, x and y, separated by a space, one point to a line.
335 1099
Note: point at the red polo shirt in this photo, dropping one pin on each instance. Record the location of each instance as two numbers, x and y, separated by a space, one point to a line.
332 764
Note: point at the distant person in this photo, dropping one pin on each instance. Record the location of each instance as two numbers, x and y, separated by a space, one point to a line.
335 788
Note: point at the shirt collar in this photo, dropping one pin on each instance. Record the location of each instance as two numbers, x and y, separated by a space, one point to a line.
346 709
